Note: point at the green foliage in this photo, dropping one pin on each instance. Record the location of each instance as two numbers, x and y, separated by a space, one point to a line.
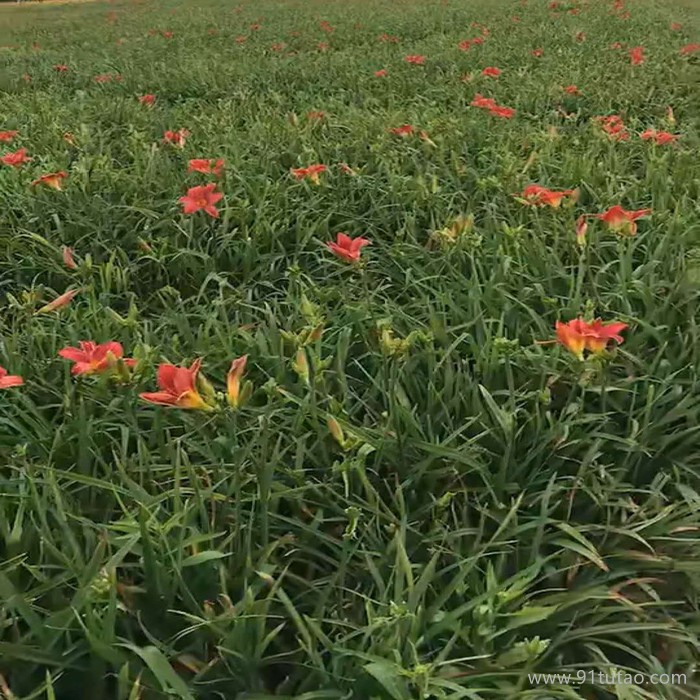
418 498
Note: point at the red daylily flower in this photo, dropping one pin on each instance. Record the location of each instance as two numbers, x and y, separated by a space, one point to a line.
9 380
310 171
149 100
167 35
7 136
176 138
572 90
347 248
539 196
579 335
178 388
636 55
689 49
60 68
206 166
201 198
676 26
381 73
491 72
59 302
104 78
465 45
503 112
538 53
621 221
483 102
15 159
415 59
52 180
405 130
660 138
93 358
614 127
326 26
68 259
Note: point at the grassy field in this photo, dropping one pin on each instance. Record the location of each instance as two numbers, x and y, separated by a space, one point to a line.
410 467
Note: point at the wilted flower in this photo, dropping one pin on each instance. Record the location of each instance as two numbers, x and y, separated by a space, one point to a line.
316 115
234 396
178 388
59 302
68 259
581 229
176 138
347 248
60 68
201 198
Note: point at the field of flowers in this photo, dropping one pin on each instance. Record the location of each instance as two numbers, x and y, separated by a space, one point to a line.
349 350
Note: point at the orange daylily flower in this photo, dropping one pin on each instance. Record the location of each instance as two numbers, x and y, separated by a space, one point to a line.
233 381
539 196
14 160
579 335
94 358
201 198
149 100
491 72
59 302
415 59
7 136
636 55
178 388
621 220
52 180
347 248
660 138
206 166
310 171
9 380
176 138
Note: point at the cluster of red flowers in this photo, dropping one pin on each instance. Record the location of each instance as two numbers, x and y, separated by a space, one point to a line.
614 127
489 104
